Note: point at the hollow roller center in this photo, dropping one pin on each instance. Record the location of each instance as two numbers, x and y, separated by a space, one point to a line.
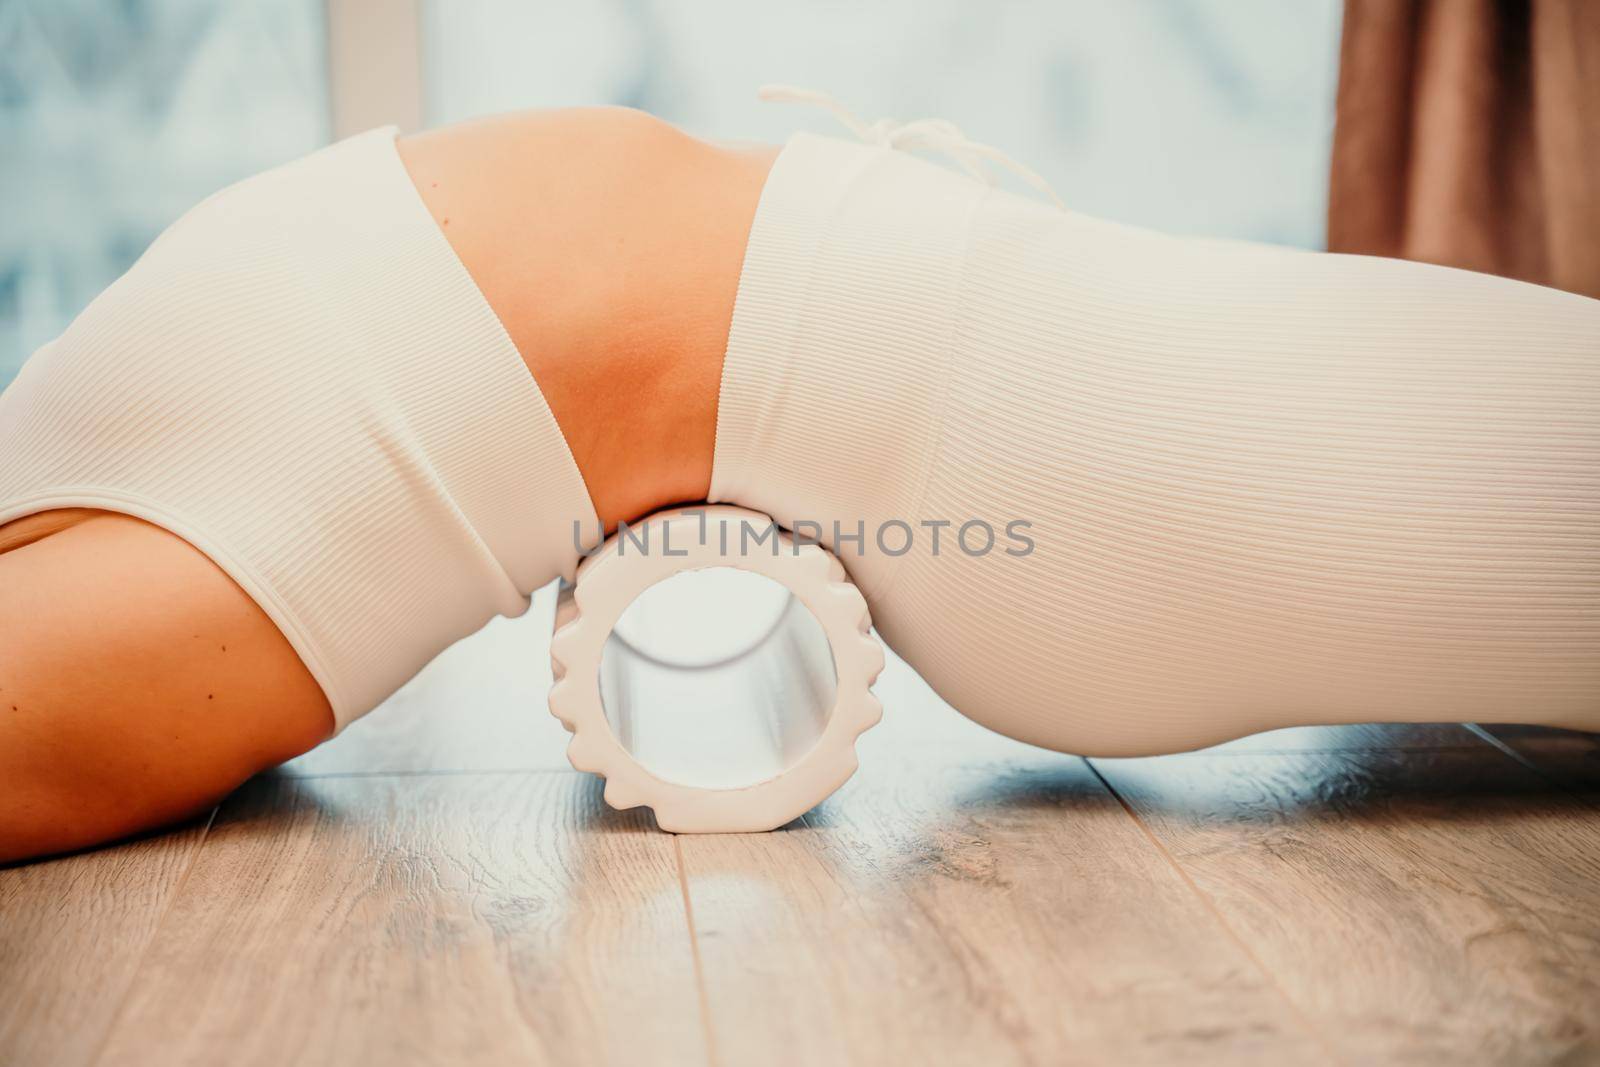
713 669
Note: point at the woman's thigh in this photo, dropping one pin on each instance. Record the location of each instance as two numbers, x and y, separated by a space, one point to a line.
138 683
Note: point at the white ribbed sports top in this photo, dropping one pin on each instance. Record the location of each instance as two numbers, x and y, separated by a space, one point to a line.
301 379
1263 487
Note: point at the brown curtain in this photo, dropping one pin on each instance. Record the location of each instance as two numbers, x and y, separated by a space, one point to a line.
1468 134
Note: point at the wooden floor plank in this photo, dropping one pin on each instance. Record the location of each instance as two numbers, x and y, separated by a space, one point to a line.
72 931
481 705
1438 906
463 919
1396 893
967 899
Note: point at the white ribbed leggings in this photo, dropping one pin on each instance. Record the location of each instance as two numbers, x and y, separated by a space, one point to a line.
1263 487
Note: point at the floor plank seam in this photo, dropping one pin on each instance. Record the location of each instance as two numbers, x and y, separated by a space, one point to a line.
694 953
115 1019
1344 750
1555 778
420 773
1227 928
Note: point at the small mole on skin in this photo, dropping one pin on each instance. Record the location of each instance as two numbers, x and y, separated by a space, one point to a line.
224 648
435 185
446 221
210 696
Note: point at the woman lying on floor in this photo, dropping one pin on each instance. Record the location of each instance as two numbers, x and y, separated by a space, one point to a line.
341 414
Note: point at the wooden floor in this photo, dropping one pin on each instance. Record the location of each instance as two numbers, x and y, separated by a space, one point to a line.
436 886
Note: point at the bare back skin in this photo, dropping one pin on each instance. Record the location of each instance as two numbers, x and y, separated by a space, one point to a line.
139 684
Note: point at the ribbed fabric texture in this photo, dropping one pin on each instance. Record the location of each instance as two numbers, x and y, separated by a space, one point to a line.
301 379
1265 487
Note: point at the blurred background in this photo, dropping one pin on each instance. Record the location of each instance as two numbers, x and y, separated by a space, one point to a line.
1194 116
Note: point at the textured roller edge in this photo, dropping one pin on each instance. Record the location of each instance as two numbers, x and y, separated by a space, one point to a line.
607 582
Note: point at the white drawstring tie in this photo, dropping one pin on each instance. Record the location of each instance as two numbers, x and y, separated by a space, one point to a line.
934 135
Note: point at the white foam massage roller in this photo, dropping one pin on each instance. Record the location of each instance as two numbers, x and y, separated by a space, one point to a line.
715 670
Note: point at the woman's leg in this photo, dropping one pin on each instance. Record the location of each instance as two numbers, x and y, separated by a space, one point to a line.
138 683
1255 487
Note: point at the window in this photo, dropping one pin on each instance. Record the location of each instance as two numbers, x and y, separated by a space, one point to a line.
1194 116
115 118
